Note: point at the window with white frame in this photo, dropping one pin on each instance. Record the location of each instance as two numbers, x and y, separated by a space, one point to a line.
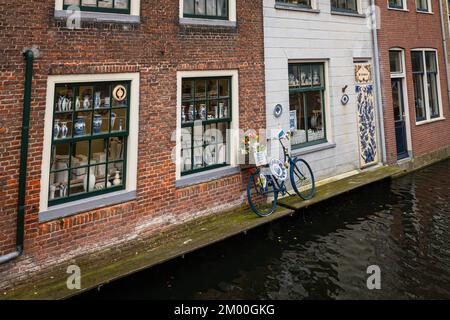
423 5
208 9
207 120
426 84
350 6
125 7
90 144
397 4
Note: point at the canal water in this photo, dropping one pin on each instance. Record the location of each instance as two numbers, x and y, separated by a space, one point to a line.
401 226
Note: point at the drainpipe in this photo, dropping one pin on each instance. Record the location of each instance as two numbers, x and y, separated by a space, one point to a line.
376 56
444 44
29 55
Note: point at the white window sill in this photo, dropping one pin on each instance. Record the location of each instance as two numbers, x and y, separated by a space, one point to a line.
293 7
429 121
312 149
206 176
100 17
348 14
398 9
425 12
79 206
208 22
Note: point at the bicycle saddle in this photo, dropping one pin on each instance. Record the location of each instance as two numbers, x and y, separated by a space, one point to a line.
278 169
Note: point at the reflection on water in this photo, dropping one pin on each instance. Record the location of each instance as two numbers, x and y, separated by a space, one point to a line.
402 226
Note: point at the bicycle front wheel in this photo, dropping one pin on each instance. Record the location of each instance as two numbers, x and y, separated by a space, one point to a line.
302 179
260 193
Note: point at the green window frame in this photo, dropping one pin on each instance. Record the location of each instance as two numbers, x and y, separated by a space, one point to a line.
296 3
206 106
396 4
108 6
99 149
206 9
306 83
422 6
349 6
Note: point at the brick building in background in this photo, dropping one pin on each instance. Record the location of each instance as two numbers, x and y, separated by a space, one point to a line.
107 100
414 79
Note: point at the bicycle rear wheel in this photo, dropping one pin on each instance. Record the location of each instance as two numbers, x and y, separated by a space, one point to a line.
259 194
302 179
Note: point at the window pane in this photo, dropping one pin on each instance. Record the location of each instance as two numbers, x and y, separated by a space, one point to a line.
200 7
347 5
315 116
119 120
397 99
305 75
222 8
419 100
188 6
187 93
422 5
296 106
224 90
89 3
317 71
302 3
121 4
105 4
211 9
417 61
433 95
395 59
294 79
430 58
200 89
71 2
396 4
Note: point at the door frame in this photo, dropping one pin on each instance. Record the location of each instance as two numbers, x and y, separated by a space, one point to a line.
402 75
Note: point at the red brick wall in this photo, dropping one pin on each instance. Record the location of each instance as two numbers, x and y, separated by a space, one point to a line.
409 30
157 48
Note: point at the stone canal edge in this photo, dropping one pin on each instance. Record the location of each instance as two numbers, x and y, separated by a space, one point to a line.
114 263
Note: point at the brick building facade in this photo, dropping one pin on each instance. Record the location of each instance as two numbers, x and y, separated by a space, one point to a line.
410 31
152 48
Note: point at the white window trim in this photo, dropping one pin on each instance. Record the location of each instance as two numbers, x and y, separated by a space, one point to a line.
232 15
405 6
135 7
430 8
329 136
132 151
234 126
402 75
425 88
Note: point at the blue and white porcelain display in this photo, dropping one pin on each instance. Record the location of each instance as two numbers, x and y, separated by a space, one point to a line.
79 127
77 103
56 130
366 125
86 102
97 124
64 130
97 100
202 112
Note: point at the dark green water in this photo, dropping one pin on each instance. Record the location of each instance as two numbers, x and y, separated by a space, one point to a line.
402 226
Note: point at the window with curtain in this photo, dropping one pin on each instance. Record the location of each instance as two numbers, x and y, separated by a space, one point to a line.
212 9
299 3
117 6
344 5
